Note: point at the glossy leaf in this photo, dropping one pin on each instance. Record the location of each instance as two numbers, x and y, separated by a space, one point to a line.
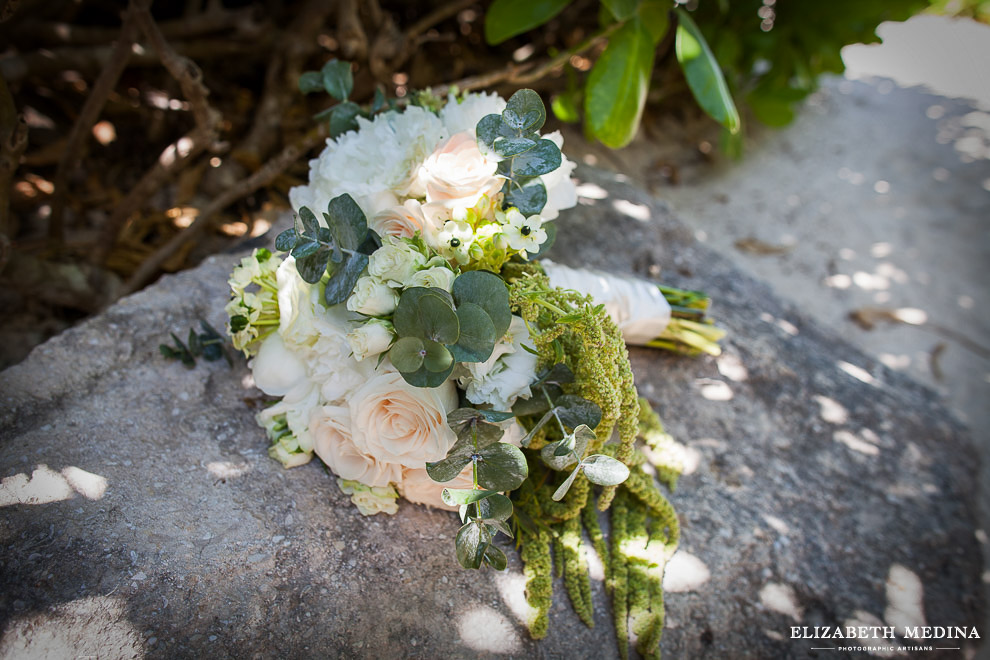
286 240
488 291
495 507
490 128
527 195
541 159
508 147
621 9
459 496
452 465
703 74
524 111
312 267
565 108
655 15
507 18
617 85
471 543
348 224
495 558
343 118
476 340
604 470
344 278
501 467
338 79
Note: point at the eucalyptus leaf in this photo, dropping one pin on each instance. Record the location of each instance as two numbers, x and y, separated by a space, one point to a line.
286 240
437 358
527 195
490 128
703 74
565 446
343 118
338 79
574 411
311 81
559 374
477 337
344 278
617 85
407 354
495 558
488 291
539 425
471 544
532 406
501 467
347 222
524 111
559 462
447 468
507 18
558 494
422 313
494 507
604 470
304 248
423 377
508 147
312 267
459 496
541 159
308 220
496 416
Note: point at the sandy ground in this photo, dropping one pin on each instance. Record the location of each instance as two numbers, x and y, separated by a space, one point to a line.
874 204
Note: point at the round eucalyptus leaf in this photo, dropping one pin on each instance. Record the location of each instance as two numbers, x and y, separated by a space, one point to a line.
436 357
501 467
604 470
574 411
495 558
471 544
495 507
423 377
477 334
488 291
424 314
407 354
459 496
525 111
558 494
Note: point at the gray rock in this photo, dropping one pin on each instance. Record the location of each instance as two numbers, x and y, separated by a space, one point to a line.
143 516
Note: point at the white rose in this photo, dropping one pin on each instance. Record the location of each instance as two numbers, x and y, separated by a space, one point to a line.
372 297
277 369
457 175
396 422
297 406
370 500
419 488
371 338
295 305
330 427
465 114
395 262
505 376
440 276
561 191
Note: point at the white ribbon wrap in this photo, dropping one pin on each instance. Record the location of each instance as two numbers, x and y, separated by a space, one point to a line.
636 306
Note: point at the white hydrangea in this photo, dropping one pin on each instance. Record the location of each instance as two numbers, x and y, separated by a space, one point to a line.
464 115
374 164
505 376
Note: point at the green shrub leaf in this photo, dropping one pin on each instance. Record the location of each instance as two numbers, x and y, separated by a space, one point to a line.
617 85
507 18
621 9
703 74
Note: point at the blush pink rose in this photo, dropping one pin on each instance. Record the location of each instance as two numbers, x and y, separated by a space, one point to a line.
331 430
457 174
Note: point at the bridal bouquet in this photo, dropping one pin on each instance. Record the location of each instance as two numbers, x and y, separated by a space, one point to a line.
418 346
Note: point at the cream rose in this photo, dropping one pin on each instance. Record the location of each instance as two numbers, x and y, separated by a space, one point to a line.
457 174
396 422
395 262
404 221
419 488
277 369
371 338
372 297
330 427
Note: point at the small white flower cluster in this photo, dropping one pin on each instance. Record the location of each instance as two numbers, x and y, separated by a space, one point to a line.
253 306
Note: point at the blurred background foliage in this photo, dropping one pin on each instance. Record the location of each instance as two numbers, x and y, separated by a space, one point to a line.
138 138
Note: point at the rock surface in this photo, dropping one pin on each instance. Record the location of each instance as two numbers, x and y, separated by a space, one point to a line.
142 516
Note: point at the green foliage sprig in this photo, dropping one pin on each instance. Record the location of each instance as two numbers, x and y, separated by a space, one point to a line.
208 344
340 249
496 466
